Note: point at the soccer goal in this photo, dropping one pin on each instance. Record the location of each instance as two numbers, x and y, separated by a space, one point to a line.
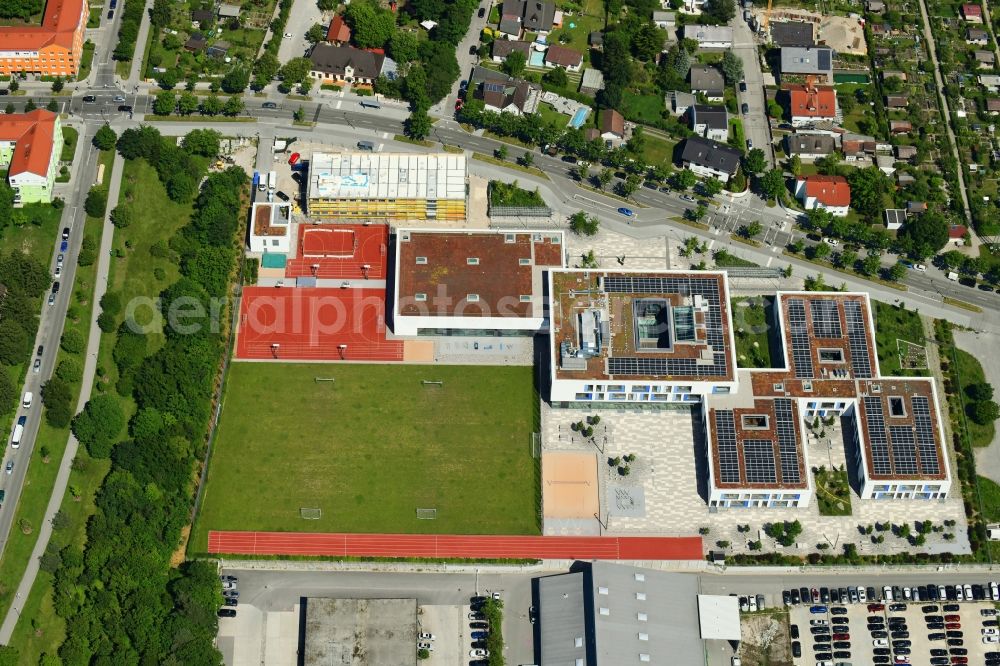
427 514
311 513
432 382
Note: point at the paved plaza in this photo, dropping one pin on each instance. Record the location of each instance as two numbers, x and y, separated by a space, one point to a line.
669 475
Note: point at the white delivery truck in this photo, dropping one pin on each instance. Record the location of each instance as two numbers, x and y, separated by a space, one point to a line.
272 184
15 440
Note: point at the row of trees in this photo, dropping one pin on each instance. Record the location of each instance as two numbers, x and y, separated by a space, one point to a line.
26 280
168 102
120 598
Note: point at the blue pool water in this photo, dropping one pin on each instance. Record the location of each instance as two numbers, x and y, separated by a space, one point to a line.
536 59
579 117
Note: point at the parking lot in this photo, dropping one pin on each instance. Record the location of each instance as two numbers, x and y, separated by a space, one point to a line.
938 632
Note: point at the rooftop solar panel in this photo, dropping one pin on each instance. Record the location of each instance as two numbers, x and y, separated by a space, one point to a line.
926 447
758 461
799 331
857 339
877 440
826 318
904 449
788 449
725 437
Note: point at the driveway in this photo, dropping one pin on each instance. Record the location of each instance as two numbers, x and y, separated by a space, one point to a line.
974 342
755 123
465 61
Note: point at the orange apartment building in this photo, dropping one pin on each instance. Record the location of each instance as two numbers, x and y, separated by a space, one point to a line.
52 49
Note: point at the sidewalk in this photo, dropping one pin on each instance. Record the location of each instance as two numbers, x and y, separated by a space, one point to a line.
89 370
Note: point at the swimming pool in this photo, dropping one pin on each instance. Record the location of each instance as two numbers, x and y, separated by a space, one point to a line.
579 117
537 58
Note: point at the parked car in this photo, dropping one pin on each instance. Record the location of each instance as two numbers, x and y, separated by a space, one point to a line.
227 612
482 12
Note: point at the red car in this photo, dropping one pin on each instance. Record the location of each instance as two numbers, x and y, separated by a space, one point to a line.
952 618
875 607
815 595
841 637
953 625
459 103
959 660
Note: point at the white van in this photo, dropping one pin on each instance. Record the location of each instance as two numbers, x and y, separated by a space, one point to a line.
26 401
15 439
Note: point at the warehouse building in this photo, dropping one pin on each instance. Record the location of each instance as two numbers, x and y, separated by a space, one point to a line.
387 186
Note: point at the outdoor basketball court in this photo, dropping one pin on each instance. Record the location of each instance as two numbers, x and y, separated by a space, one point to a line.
314 324
340 251
569 485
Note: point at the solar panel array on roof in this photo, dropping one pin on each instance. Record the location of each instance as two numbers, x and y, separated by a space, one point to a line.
758 460
799 331
826 318
877 437
725 438
824 59
857 338
708 289
493 87
904 449
788 449
926 446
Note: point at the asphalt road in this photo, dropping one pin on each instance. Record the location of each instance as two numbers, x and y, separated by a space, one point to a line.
756 126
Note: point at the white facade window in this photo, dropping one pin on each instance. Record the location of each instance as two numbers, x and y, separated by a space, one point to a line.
641 617
420 297
578 642
605 611
421 260
641 596
640 577
472 261
643 637
643 657
525 298
472 298
602 590
509 238
524 261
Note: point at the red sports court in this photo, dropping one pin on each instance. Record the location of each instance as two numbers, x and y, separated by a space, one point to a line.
314 324
335 251
455 546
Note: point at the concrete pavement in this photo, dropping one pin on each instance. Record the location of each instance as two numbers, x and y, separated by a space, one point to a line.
89 370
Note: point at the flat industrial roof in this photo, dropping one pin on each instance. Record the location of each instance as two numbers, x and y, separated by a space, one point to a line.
719 617
668 325
367 175
482 273
360 632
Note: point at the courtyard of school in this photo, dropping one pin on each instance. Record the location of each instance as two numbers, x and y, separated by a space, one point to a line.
372 447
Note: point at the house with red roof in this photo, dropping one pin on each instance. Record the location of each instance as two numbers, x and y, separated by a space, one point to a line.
811 104
956 233
832 193
30 145
972 13
338 33
53 48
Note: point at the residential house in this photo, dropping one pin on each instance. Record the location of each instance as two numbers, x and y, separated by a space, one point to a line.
517 16
709 81
814 61
894 218
612 128
991 82
560 56
893 74
896 101
808 105
219 49
711 122
710 36
809 146
993 106
906 153
831 193
195 43
916 207
985 59
202 17
875 6
596 40
976 36
338 33
792 33
665 20
345 63
227 11
972 13
502 48
903 179
592 81
707 158
679 102
900 126
503 94
957 233
30 146
53 48
886 164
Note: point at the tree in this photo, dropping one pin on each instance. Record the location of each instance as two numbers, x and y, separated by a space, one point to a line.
605 176
58 84
868 186
527 159
501 153
122 216
160 14
316 34
795 165
52 106
8 393
924 235
721 11
732 67
403 47
105 138
98 425
15 345
326 5
164 103
684 179
821 250
96 203
418 124
294 71
211 105
556 77
755 161
234 105
984 412
583 225
265 69
187 103
870 264
30 106
514 64
371 26
896 272
299 114
751 230
979 391
712 186
72 341
236 80
772 183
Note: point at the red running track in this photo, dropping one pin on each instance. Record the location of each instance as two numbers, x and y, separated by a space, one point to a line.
454 546
370 247
311 323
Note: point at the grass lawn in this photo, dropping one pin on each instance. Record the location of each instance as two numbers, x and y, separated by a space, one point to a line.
70 136
552 117
894 323
833 492
577 35
971 372
645 108
86 60
990 492
371 448
657 151
38 236
752 331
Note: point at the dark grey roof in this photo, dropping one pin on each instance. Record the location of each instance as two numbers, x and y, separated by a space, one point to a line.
509 26
561 607
504 47
712 154
714 117
202 15
335 60
799 60
538 15
480 74
706 77
895 216
596 38
810 144
792 33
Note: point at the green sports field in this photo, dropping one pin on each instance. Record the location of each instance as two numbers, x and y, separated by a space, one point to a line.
372 447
